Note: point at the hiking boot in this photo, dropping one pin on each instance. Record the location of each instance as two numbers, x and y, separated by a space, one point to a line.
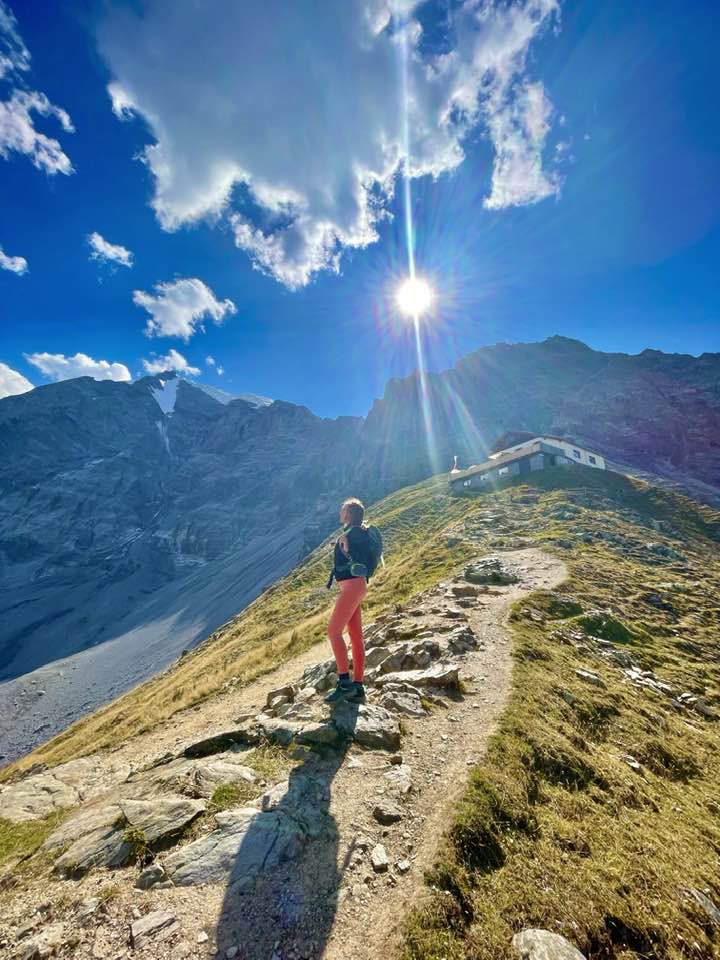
344 689
358 693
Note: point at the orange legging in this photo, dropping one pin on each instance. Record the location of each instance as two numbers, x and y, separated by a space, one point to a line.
347 613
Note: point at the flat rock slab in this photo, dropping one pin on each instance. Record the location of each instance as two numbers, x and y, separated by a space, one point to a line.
245 842
64 786
219 742
96 837
438 675
156 927
163 817
368 725
197 776
408 704
544 945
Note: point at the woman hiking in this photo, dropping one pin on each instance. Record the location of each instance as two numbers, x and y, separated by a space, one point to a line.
355 559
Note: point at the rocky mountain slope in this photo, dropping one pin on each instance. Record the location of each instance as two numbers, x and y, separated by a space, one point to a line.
137 518
655 412
585 828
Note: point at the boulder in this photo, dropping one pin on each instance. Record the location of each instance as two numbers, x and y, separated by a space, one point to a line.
208 775
407 704
368 725
244 843
490 570
156 926
438 675
544 945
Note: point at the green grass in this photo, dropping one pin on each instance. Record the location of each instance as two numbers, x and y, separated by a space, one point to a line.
20 843
284 621
232 795
555 830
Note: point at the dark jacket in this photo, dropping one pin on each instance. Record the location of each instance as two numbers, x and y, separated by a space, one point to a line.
359 550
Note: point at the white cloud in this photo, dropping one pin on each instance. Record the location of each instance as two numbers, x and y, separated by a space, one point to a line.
57 366
210 361
17 265
314 123
103 250
12 382
220 371
178 308
518 130
19 111
171 361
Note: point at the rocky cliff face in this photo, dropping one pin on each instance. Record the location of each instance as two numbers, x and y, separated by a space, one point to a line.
114 495
655 412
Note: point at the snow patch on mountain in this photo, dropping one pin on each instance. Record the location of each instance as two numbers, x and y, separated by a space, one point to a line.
166 395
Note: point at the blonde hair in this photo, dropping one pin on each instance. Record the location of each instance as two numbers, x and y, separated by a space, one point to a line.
355 511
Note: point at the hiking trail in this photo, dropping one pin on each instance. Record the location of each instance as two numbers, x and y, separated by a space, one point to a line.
262 825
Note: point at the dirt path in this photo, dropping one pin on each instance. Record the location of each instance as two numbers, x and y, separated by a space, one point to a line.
330 900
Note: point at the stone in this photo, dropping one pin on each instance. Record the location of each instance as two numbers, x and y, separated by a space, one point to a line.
231 952
45 944
227 768
245 735
403 866
379 859
589 677
87 909
202 937
367 724
96 836
317 733
709 908
399 779
407 704
464 590
631 762
163 817
490 570
280 695
151 876
462 639
439 675
375 656
158 926
64 786
321 676
387 813
544 945
244 843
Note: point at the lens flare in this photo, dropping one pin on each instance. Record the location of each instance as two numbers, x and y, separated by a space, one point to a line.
414 296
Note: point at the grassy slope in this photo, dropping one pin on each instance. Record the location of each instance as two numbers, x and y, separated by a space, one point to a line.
282 622
554 830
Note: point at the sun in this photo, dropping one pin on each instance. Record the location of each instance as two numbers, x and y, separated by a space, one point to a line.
414 296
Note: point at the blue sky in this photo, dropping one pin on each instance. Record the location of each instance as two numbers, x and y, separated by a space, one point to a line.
573 187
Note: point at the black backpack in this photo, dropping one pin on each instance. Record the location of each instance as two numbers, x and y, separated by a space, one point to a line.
376 549
375 545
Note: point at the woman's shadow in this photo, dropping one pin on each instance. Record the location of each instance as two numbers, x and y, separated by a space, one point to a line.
284 880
